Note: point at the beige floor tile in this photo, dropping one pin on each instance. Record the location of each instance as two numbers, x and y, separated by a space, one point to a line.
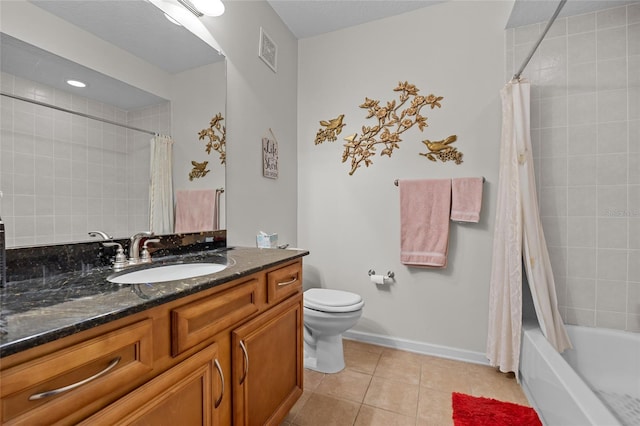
402 370
434 408
297 407
312 379
393 396
491 383
371 416
347 384
448 378
322 410
360 360
385 386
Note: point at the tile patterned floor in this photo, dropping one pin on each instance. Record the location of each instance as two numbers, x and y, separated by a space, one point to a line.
386 387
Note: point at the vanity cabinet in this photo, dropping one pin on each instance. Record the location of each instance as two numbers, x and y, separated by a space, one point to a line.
70 383
187 394
267 373
231 354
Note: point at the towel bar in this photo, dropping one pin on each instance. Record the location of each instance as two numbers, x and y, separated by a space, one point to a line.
395 182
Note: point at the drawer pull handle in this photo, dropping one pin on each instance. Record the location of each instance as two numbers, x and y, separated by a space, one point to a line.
72 386
288 282
246 361
219 400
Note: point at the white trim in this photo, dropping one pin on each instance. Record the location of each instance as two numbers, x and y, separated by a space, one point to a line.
418 347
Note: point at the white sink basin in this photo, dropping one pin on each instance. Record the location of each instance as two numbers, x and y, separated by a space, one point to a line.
160 274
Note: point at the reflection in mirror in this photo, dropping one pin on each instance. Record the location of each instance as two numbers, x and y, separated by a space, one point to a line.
64 174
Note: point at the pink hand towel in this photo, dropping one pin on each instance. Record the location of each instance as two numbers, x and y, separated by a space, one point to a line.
194 210
424 222
466 199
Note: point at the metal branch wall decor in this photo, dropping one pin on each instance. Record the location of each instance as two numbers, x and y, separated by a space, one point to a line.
393 119
217 134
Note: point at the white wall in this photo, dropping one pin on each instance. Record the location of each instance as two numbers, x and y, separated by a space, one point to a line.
350 224
258 100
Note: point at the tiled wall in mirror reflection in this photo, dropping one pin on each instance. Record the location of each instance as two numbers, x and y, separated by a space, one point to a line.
63 175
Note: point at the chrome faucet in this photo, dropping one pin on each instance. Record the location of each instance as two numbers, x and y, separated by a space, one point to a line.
104 235
134 246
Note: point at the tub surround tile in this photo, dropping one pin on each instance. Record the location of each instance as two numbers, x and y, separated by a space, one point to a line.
614 17
611 296
606 319
581 23
612 264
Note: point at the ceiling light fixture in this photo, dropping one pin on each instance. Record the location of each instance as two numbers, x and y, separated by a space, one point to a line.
203 7
76 83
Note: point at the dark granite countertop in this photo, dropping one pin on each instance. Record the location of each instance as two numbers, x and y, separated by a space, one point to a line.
37 311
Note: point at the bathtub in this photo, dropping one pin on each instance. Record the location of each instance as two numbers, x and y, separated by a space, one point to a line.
595 383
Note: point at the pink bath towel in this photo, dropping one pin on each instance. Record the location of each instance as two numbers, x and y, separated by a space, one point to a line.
466 199
195 210
424 222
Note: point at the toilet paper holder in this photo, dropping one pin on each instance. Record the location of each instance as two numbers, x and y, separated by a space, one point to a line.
389 275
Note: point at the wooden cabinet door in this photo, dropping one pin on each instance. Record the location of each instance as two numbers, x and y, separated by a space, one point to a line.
267 359
187 395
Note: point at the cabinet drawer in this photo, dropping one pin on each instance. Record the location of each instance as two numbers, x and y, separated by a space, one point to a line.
73 382
187 394
198 321
284 282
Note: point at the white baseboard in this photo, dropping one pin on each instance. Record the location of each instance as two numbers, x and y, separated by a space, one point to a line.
418 347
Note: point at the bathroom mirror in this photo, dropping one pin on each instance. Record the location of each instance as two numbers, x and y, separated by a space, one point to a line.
62 174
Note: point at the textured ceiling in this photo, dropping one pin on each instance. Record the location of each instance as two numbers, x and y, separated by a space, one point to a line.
308 18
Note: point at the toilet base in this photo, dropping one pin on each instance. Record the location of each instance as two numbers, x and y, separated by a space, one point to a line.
326 356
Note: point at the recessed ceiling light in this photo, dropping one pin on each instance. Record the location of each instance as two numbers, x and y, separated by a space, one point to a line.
76 83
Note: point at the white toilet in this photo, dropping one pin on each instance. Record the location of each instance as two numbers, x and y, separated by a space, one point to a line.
328 314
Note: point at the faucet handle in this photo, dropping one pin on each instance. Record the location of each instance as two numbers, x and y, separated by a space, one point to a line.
120 261
145 257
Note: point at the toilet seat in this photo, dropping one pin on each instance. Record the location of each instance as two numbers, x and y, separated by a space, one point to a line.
328 300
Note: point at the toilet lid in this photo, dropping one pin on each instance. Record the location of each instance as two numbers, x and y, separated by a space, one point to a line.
327 300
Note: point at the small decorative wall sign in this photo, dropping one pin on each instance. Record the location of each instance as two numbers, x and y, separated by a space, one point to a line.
270 156
268 50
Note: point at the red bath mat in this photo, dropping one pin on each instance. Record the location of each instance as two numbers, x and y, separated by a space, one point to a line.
478 411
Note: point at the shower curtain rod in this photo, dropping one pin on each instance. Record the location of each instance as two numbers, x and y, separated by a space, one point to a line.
81 114
516 76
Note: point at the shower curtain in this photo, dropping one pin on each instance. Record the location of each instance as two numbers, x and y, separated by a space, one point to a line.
161 186
518 239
